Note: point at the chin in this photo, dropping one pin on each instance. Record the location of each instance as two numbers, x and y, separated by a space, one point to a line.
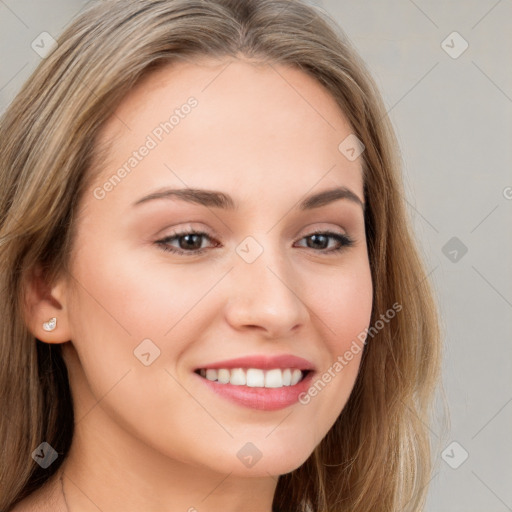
262 464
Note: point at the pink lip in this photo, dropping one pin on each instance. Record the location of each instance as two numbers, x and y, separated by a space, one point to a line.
264 399
263 362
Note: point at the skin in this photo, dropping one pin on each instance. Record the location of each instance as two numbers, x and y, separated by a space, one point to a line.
155 437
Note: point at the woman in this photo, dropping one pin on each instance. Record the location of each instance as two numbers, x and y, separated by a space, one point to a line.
215 301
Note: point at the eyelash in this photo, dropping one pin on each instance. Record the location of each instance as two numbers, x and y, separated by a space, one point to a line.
345 241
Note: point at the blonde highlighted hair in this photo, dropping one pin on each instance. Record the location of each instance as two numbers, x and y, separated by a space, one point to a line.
377 456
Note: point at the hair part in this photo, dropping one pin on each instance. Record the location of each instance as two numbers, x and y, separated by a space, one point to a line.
376 457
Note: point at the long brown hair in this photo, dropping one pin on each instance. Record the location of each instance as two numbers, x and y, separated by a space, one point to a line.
377 455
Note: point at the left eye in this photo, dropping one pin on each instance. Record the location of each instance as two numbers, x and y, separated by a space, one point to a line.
322 238
190 242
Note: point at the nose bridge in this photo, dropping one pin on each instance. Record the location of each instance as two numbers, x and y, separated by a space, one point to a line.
264 294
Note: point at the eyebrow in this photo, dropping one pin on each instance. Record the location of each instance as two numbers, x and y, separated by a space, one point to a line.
216 199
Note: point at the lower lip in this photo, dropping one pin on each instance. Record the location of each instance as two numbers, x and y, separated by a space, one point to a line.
264 399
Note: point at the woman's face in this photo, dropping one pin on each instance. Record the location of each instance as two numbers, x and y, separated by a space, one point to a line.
257 283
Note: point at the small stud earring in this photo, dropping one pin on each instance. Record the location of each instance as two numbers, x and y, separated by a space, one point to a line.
50 325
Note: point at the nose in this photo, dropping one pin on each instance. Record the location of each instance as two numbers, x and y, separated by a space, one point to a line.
266 296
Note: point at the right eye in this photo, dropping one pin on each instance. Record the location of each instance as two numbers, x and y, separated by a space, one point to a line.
189 242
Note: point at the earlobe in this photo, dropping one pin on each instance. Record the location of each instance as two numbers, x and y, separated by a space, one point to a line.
46 313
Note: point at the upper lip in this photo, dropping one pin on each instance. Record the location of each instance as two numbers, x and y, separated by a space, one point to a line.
263 362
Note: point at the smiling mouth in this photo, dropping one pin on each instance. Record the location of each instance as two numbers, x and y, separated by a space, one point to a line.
254 377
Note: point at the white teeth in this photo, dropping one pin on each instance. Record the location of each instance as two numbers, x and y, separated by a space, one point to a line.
237 377
254 377
223 376
296 376
211 374
274 379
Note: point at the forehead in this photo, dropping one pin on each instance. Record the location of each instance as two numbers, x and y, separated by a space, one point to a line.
256 125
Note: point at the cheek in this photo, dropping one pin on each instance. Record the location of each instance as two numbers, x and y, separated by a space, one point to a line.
133 297
343 303
124 301
342 309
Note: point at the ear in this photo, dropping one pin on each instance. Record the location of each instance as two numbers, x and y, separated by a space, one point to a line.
43 302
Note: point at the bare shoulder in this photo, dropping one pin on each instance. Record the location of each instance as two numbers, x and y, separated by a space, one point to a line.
48 498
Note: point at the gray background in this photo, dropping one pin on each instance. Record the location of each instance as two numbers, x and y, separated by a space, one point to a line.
453 121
